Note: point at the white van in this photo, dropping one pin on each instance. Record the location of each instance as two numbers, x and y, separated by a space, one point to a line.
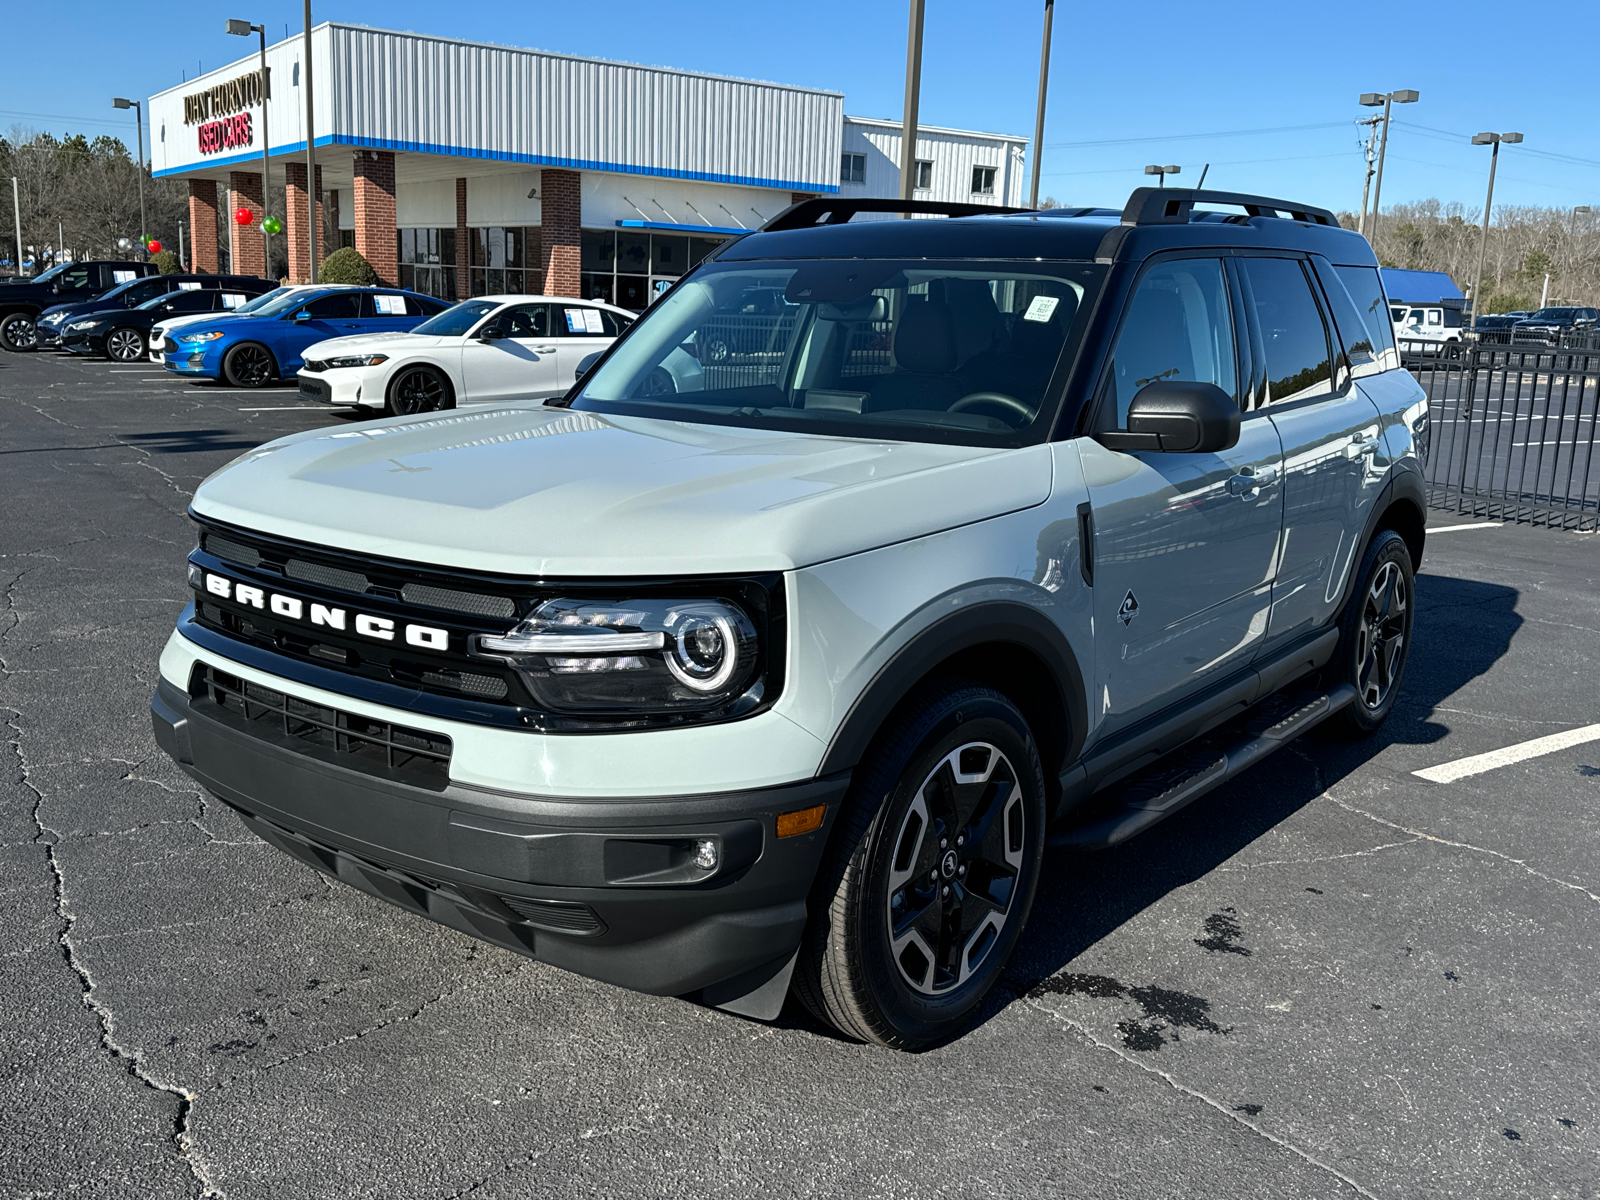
1425 323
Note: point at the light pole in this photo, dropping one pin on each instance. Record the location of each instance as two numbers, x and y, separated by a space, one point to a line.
138 114
1487 139
1387 100
16 211
908 131
1038 121
1157 169
245 29
311 157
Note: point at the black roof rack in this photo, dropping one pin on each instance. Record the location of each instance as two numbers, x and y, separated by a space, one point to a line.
1172 206
833 210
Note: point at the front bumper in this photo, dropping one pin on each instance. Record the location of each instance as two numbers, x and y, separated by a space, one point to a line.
47 337
91 342
600 887
344 386
203 362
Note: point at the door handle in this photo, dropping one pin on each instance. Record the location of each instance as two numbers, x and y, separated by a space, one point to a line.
544 349
1361 444
1250 480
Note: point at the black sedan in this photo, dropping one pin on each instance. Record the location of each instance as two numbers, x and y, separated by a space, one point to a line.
122 334
132 294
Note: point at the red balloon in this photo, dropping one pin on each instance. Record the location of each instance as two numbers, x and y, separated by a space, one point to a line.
243 216
155 246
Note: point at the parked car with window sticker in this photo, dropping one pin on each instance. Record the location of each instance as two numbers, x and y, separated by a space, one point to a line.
159 332
486 348
1038 527
134 293
22 301
123 334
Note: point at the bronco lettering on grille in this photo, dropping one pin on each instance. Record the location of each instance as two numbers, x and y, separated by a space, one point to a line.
380 629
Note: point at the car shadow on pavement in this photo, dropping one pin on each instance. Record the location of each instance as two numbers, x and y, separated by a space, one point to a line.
190 441
1462 628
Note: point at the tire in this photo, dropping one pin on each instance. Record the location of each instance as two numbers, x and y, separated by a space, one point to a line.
249 365
418 390
17 332
125 345
1375 636
866 964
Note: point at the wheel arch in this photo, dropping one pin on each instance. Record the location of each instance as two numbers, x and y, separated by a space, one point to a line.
1011 647
400 369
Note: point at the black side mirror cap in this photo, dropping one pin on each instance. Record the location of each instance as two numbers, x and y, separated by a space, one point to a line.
1174 416
492 333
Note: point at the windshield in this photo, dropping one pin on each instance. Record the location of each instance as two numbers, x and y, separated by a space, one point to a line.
51 273
262 301
1554 314
922 350
458 318
280 301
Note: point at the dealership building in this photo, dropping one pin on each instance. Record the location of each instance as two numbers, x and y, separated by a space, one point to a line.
461 169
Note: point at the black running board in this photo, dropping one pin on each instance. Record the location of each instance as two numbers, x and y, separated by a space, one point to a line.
1155 796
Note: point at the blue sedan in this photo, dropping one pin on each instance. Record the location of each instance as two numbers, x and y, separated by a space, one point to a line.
252 350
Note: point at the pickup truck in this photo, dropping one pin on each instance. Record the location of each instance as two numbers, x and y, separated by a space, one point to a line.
21 303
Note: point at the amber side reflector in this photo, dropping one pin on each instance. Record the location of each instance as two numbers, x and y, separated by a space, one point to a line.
805 820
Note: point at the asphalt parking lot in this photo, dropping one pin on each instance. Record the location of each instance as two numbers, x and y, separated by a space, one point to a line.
1334 978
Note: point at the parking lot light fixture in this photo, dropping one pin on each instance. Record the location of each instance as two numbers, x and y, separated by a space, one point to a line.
245 29
138 114
1385 100
1494 140
1162 171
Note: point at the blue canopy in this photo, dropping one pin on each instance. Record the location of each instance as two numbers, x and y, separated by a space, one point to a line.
1421 287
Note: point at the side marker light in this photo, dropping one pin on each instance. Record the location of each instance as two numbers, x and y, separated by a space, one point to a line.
805 820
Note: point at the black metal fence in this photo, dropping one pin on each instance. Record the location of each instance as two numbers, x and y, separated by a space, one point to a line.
1512 431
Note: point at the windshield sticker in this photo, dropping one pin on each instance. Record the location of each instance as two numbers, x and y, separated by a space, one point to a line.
391 306
189 287
1042 308
124 276
575 320
591 321
232 299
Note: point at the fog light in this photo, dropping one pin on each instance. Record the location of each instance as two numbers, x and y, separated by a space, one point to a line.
705 855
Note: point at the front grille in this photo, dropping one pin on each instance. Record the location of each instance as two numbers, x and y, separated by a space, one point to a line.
467 602
333 577
377 747
565 916
238 552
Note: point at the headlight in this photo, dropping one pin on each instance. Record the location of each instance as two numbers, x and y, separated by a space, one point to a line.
597 657
82 325
212 336
358 360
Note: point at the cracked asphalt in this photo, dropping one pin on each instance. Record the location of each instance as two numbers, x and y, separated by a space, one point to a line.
1331 979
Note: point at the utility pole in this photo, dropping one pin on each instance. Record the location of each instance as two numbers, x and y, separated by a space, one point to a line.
1366 184
1487 139
1388 100
16 212
908 132
312 224
1038 121
181 267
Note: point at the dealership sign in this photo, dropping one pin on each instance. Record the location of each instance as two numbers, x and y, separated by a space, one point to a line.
226 134
236 95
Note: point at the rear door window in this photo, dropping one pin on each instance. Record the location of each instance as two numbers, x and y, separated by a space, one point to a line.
1179 326
1293 333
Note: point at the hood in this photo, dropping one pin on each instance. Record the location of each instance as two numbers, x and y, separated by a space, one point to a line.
528 490
358 342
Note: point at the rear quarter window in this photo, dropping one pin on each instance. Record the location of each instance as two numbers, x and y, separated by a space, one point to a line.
1365 287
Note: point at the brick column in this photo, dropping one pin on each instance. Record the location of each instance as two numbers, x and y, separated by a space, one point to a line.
560 234
796 197
203 226
295 227
374 213
249 255
463 288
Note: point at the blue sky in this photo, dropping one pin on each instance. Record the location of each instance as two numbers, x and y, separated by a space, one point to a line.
1130 84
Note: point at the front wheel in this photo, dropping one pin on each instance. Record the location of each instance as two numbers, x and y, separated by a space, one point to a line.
924 893
124 345
418 390
17 332
1375 635
248 365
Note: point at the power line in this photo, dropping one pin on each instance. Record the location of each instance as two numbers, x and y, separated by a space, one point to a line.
8 112
1553 155
1237 162
1189 137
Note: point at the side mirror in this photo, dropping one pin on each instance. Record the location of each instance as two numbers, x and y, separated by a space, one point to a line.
1177 417
59 286
585 365
491 333
301 317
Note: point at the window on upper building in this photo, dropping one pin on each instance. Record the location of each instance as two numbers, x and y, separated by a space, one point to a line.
852 168
983 181
924 174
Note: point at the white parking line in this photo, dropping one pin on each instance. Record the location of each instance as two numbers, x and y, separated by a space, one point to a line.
1432 529
288 408
1478 763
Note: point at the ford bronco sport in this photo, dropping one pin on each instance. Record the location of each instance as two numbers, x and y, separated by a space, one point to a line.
781 673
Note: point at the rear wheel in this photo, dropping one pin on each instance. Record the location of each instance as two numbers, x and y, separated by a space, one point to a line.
17 332
419 390
125 345
1375 635
925 891
249 365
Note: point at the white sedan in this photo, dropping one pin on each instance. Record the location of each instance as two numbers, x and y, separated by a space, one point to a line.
485 349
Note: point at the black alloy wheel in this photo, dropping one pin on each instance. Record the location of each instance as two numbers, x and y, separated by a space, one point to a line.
124 345
17 332
249 365
418 390
932 871
1375 635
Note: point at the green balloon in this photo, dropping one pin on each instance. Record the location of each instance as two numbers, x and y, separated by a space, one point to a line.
272 225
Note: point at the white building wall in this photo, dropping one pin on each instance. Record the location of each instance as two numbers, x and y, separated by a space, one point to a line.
608 199
953 152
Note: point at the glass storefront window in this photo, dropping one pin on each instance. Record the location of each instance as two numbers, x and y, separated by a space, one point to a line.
599 251
427 261
632 269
